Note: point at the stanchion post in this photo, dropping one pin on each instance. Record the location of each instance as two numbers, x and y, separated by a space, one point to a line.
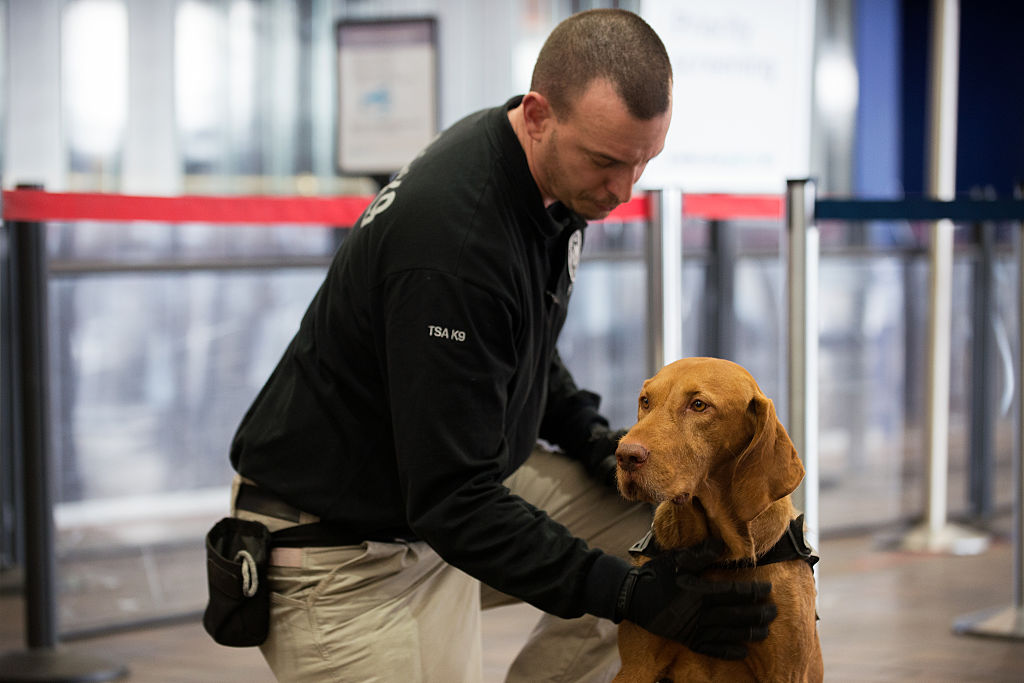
1018 493
1008 622
10 493
936 534
31 410
655 284
42 661
665 279
802 275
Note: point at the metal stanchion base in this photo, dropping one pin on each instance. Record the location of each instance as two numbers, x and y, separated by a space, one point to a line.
56 665
949 539
1001 622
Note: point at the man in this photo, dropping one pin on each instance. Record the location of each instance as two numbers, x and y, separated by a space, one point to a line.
406 410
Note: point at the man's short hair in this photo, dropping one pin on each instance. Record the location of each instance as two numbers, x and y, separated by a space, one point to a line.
604 43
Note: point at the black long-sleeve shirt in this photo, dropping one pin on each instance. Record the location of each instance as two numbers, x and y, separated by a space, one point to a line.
426 364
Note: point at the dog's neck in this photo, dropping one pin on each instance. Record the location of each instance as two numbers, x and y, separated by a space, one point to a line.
680 525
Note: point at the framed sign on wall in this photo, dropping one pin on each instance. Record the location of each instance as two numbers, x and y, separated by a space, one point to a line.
387 92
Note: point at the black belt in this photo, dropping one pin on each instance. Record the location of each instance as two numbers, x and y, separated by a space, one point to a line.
313 535
254 499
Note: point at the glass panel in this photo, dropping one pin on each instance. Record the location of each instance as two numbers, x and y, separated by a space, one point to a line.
151 374
156 370
142 243
604 341
759 305
862 422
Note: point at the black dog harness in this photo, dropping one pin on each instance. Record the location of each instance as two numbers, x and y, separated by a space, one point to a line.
792 546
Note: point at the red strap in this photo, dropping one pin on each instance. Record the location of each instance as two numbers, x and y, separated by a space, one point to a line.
40 206
732 206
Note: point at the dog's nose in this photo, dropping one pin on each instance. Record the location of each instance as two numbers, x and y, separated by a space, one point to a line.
631 456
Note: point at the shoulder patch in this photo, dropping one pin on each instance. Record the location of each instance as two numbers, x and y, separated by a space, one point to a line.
441 332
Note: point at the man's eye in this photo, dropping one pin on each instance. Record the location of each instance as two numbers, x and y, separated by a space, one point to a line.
698 406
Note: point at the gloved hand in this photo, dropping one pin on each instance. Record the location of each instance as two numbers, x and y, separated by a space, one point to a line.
599 452
667 597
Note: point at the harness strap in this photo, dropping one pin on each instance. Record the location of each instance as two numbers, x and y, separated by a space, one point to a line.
791 546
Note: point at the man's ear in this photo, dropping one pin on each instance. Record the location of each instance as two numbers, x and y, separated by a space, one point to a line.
537 114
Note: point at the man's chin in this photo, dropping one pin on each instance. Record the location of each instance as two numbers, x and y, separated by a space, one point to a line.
592 211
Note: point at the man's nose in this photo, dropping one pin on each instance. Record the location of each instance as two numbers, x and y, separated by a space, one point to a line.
621 184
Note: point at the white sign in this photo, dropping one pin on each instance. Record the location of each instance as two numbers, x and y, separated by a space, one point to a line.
741 96
387 93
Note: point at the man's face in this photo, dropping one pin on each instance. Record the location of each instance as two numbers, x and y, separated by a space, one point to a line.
591 159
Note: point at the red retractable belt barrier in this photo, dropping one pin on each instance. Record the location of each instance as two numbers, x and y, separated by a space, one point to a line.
723 207
36 205
40 206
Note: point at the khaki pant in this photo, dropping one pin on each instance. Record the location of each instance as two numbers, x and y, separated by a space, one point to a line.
393 612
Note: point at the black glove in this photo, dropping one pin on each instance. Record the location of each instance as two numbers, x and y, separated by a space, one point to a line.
666 596
599 454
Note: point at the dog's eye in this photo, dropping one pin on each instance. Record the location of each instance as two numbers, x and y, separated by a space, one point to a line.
698 406
645 403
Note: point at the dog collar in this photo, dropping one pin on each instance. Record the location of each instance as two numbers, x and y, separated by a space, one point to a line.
791 546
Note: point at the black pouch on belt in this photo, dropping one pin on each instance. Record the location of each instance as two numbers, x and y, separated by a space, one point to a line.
237 555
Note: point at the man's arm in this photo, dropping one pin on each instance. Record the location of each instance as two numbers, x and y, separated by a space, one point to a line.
451 409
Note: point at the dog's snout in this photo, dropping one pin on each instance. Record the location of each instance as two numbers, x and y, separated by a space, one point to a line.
631 456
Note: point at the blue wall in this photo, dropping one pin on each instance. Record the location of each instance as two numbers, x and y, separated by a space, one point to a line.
990 130
877 163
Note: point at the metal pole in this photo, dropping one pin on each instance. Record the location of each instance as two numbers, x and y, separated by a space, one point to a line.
42 661
655 286
981 494
941 185
1008 622
10 492
939 343
803 343
935 535
719 332
1018 493
29 303
1018 480
665 279
672 274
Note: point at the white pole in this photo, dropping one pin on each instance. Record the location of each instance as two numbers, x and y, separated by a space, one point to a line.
655 286
672 274
939 335
665 279
803 344
935 535
941 185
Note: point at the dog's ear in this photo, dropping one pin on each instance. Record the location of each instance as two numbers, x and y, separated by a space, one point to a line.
769 468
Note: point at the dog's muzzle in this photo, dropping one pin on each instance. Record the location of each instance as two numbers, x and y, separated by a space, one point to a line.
631 456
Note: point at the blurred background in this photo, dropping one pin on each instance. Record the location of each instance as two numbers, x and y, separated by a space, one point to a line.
161 334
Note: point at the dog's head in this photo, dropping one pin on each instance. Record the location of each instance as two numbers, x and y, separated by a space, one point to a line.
705 432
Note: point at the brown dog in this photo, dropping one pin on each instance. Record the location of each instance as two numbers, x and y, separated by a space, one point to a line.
709 450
